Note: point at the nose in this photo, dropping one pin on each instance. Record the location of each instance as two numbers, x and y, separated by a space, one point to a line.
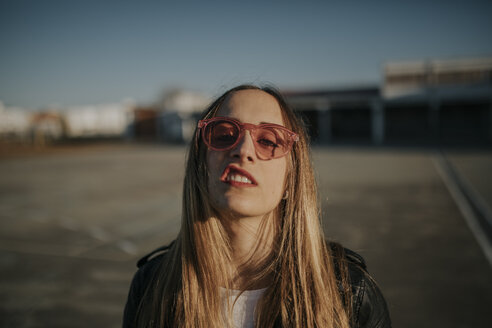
245 149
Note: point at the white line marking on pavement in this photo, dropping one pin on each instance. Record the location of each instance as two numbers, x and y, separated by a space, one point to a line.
99 233
464 205
128 247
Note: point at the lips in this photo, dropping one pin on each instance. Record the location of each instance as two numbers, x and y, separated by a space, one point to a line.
236 176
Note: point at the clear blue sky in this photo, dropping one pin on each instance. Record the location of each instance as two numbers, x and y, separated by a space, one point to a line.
72 52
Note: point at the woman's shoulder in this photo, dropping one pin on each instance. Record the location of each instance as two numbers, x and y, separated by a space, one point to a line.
348 262
147 266
152 258
369 308
149 263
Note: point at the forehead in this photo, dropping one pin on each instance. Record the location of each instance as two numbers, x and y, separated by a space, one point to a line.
252 106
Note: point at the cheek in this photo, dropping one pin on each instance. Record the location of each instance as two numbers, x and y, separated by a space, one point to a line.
276 178
213 164
213 161
216 189
209 158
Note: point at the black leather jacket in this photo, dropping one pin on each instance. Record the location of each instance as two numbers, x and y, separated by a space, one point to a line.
369 308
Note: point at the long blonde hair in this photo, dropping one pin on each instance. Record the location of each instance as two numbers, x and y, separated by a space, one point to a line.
303 291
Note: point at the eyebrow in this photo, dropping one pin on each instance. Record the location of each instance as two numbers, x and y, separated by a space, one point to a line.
263 122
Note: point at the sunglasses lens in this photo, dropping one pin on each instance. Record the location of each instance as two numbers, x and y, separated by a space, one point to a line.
271 142
221 134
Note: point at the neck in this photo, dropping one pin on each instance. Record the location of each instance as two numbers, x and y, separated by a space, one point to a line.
251 241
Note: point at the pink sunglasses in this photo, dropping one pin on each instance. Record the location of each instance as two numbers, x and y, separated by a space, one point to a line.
270 140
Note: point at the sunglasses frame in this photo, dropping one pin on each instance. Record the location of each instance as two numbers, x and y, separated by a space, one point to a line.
291 136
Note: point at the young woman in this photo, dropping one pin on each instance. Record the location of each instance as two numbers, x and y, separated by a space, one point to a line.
251 252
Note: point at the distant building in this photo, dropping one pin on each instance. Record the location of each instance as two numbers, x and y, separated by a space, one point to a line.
429 102
439 101
172 119
98 121
144 125
341 115
403 79
15 123
420 103
179 113
47 128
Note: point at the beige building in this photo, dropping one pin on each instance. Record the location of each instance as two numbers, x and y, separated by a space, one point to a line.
433 102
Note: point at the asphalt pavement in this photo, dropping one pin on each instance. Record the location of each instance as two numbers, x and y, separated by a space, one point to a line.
73 223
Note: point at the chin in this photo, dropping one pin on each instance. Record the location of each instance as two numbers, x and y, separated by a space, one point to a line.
245 208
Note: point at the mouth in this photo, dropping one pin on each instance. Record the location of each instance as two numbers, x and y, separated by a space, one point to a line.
236 176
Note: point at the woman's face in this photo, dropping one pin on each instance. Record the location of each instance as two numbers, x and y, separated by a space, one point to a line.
267 177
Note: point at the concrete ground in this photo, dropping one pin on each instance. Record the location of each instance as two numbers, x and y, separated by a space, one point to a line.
73 224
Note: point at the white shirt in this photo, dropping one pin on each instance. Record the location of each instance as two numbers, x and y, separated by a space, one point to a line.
244 308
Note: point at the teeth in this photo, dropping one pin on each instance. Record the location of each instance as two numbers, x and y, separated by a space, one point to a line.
238 178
